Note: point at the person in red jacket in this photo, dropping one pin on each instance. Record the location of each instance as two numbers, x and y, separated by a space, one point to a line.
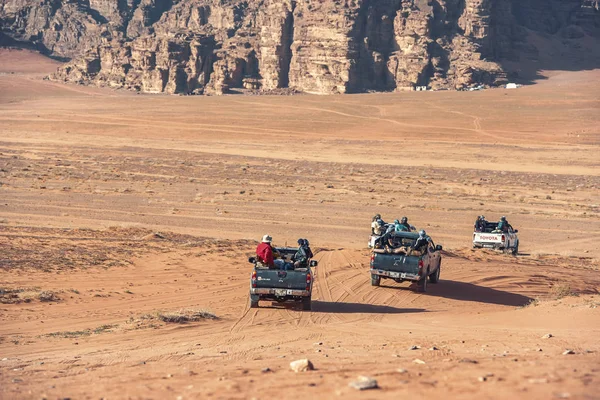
264 252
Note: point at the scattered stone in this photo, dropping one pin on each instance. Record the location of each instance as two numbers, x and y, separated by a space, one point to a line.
318 344
563 395
538 380
468 361
417 361
414 347
568 352
482 378
17 380
402 370
5 359
301 365
265 370
539 349
364 383
433 348
547 336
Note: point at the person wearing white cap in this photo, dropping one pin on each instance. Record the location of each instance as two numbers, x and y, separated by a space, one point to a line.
264 252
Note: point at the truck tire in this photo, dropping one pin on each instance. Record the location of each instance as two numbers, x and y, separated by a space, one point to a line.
515 250
422 284
375 280
254 301
435 277
306 303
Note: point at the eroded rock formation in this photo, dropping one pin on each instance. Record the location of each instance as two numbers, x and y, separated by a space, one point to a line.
315 46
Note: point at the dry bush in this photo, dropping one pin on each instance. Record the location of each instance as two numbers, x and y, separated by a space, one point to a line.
85 332
26 295
562 290
184 316
47 295
532 303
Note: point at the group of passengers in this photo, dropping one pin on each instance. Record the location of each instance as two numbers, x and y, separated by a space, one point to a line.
379 227
481 225
384 233
267 255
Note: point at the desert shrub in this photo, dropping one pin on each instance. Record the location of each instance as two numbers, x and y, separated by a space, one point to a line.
184 316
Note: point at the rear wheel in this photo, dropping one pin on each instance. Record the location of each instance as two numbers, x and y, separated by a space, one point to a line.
422 284
435 277
254 301
515 250
306 303
375 280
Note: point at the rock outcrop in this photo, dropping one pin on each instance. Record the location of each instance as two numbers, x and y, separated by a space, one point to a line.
314 46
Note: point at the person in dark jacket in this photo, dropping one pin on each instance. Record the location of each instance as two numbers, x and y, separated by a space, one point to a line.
422 241
309 252
480 224
264 252
300 259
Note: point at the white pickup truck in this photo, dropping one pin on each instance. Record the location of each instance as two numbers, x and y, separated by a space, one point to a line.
492 239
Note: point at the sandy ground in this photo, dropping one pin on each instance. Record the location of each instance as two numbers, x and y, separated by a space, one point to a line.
116 208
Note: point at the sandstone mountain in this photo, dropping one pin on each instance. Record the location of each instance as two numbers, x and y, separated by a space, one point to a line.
314 46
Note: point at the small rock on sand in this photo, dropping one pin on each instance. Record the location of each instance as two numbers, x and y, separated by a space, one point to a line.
538 380
568 352
301 365
417 361
364 383
547 336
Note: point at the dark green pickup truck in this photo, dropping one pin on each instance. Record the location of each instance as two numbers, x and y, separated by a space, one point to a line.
402 263
283 282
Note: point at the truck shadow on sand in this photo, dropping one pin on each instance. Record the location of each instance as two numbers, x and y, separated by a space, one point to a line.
320 306
469 292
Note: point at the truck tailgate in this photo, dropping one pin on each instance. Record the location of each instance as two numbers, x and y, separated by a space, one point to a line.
490 238
268 278
396 263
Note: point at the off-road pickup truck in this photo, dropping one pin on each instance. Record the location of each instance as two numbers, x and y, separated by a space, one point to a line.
283 282
401 263
492 239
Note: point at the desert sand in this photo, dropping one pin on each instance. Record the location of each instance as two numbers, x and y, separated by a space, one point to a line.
116 208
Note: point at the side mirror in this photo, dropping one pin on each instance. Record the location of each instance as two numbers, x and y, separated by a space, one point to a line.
314 263
252 260
438 248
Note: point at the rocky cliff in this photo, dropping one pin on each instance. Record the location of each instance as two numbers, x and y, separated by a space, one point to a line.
315 46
